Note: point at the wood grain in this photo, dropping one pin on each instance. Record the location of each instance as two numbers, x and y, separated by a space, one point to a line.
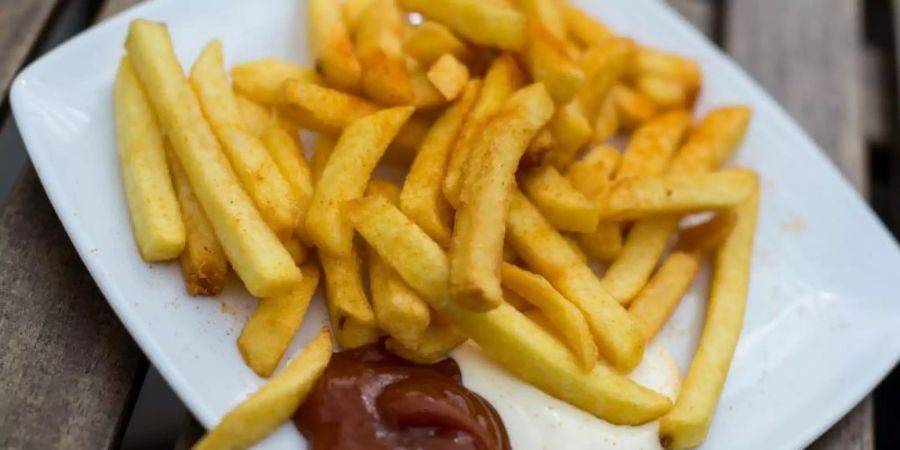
21 24
112 7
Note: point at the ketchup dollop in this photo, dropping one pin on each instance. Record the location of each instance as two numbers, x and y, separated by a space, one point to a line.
371 399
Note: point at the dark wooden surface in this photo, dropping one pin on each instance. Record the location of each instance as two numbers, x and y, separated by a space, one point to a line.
21 23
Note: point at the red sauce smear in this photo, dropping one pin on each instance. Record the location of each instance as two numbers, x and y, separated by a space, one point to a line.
371 399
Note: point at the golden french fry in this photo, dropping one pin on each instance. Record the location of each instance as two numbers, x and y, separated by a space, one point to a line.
617 336
480 22
322 109
299 252
353 11
268 332
708 235
155 217
449 76
346 175
646 241
539 150
562 314
256 117
503 78
516 300
565 207
633 108
406 145
573 244
639 197
505 334
435 344
571 130
261 80
688 423
713 141
254 251
603 64
431 40
546 14
648 61
586 29
665 93
426 95
590 176
607 123
323 146
270 191
203 262
476 247
274 403
653 144
421 197
330 46
398 309
604 243
352 318
380 52
287 152
549 63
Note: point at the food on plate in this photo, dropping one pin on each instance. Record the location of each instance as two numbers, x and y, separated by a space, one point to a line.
352 319
322 109
426 94
549 63
435 344
564 206
155 217
632 107
581 26
448 75
570 129
430 41
287 153
322 149
380 52
591 176
262 80
330 46
482 23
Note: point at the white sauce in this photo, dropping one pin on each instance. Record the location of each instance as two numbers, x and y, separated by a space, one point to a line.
536 421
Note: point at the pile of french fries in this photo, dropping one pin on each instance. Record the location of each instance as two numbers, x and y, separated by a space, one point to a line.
503 113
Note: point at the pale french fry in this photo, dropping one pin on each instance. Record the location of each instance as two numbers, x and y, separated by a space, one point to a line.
586 29
639 197
380 52
322 109
330 46
476 247
648 61
322 149
549 63
632 107
480 22
713 141
687 424
203 262
352 318
287 153
573 244
398 309
604 243
274 403
617 336
268 332
565 207
353 11
537 316
571 131
665 93
603 64
346 175
421 197
254 251
270 191
426 94
503 78
590 176
431 40
261 80
505 334
653 144
256 117
299 252
155 217
546 14
516 300
607 123
435 344
449 76
562 314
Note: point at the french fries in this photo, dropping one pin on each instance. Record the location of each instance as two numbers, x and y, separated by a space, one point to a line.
713 140
322 109
632 107
607 123
688 423
352 318
258 173
287 153
570 130
265 410
504 333
449 76
590 176
560 312
652 146
604 64
346 175
421 197
270 329
353 11
155 217
550 64
587 30
254 251
648 61
432 346
256 117
322 149
476 247
380 52
480 22
330 45
564 206
547 15
663 92
261 80
617 336
431 40
425 94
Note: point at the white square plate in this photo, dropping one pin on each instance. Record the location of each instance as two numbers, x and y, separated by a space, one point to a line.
823 313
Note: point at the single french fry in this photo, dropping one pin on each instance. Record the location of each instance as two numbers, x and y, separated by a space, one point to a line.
398 309
607 123
380 52
505 334
322 109
648 61
604 64
268 332
584 28
259 174
203 262
256 117
573 244
426 94
571 130
287 152
665 93
431 40
479 22
274 403
549 62
330 46
261 80
352 318
421 197
565 207
449 76
346 175
547 15
632 107
323 146
353 11
435 344
604 243
503 78
564 315
155 217
713 141
539 150
476 247
590 176
687 424
516 300
617 336
653 144
253 249
299 252
639 197
709 235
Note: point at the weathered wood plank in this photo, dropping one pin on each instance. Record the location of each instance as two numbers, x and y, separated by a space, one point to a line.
21 23
807 58
701 13
111 7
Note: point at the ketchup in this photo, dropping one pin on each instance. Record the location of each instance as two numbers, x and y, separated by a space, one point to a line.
371 399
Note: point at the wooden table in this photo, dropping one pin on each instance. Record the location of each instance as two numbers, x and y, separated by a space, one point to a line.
70 372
